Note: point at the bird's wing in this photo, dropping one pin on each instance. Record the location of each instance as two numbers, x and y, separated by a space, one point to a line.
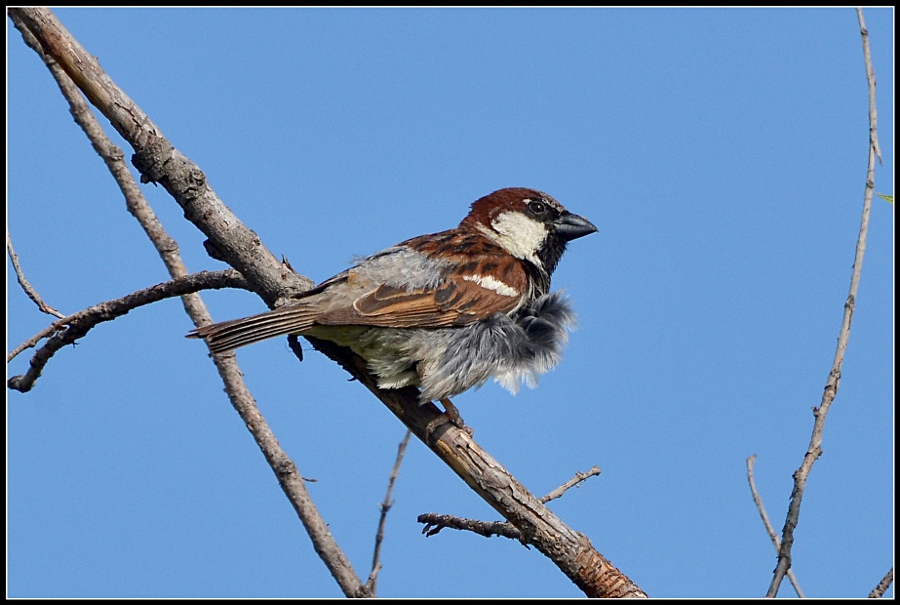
456 302
461 297
460 291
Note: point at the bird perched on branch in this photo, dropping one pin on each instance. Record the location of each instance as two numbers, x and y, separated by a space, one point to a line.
446 311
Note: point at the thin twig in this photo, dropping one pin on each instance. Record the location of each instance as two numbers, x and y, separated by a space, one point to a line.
578 478
26 286
69 329
870 79
776 542
31 342
886 581
834 377
385 507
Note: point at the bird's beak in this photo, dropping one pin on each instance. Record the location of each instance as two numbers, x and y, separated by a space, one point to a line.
571 226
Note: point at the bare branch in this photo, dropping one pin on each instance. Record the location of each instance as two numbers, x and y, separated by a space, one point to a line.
870 78
69 329
373 577
834 376
885 583
434 523
578 478
751 461
26 286
385 507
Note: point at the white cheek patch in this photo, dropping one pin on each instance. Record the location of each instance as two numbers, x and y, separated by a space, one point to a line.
489 283
519 235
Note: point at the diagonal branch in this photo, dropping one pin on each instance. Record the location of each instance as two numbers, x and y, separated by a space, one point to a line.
158 161
69 329
834 376
569 550
578 478
885 583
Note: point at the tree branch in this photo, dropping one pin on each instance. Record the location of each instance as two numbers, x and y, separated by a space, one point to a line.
69 329
158 161
834 376
870 79
578 478
434 522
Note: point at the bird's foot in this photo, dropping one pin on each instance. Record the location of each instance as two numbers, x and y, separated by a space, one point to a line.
453 416
450 416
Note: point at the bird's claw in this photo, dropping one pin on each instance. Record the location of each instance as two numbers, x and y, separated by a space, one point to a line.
450 416
453 416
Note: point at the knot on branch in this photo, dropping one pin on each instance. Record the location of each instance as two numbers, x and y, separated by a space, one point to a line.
151 160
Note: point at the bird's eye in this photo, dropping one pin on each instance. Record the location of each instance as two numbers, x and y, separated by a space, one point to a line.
537 208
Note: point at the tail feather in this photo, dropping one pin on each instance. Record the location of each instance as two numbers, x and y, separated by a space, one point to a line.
236 333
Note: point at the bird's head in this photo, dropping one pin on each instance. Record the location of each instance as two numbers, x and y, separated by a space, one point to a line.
528 224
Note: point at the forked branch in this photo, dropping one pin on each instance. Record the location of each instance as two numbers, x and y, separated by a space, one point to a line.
67 330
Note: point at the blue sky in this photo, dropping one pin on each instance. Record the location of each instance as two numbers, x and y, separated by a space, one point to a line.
722 155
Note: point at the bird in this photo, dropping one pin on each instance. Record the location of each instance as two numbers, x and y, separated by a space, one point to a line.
446 311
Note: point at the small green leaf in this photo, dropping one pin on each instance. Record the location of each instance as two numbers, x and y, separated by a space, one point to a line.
888 198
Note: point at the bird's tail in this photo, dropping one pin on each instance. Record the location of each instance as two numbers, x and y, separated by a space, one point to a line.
236 333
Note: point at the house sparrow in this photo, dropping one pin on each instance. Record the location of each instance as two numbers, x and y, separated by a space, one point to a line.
445 311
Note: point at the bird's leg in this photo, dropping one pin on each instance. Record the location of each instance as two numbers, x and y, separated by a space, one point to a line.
452 413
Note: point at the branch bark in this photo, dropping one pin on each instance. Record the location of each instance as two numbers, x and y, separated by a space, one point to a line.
883 585
159 162
435 522
576 480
